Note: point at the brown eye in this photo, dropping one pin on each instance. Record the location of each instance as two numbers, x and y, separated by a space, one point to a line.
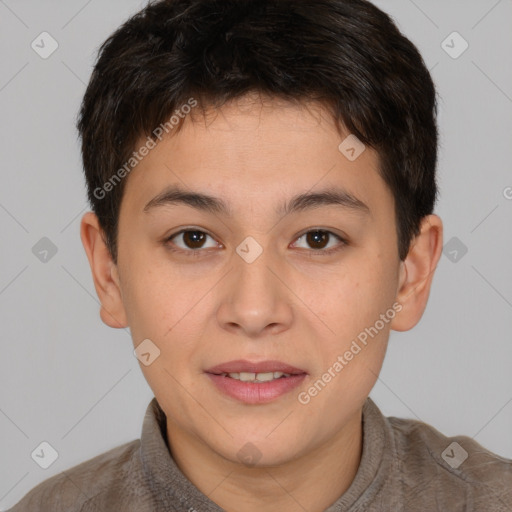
320 241
317 239
191 240
194 239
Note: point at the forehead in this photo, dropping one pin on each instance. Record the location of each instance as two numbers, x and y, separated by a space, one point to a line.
253 151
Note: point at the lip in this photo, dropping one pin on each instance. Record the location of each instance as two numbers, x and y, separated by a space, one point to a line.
241 365
252 392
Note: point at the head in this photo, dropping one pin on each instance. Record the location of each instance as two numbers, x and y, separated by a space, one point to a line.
262 180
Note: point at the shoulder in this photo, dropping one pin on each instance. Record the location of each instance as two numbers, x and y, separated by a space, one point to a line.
72 489
454 467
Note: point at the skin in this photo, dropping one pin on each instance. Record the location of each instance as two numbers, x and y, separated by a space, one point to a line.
291 304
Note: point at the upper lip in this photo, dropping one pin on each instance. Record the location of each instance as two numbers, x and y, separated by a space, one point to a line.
242 365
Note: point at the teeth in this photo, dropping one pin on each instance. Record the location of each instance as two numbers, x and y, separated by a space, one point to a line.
246 376
257 377
264 377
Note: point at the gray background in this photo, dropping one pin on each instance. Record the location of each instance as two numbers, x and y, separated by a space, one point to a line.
67 379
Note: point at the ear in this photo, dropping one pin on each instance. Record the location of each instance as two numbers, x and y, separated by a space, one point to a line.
417 273
104 272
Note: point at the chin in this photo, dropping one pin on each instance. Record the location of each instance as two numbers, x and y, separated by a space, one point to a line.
260 452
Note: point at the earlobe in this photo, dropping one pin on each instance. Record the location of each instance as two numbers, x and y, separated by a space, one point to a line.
104 272
417 273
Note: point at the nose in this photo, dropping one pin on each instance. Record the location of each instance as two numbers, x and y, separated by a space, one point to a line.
256 300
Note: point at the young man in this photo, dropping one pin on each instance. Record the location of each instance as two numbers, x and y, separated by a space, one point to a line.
262 176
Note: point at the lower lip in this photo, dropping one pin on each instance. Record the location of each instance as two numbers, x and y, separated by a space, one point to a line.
256 393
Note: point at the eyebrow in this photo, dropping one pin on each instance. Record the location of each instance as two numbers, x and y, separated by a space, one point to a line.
175 195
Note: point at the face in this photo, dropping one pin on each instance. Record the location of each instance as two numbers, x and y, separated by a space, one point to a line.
286 263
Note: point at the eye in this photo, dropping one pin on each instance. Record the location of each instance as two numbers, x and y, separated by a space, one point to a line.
319 239
190 240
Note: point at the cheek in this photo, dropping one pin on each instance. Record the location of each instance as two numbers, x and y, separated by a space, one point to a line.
152 298
172 312
351 304
350 298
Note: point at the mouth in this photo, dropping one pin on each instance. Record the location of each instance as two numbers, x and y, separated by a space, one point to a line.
255 377
255 383
263 371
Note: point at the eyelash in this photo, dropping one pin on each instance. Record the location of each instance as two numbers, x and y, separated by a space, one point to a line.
313 252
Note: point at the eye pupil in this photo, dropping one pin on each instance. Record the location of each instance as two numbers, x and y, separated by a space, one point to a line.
315 237
194 239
